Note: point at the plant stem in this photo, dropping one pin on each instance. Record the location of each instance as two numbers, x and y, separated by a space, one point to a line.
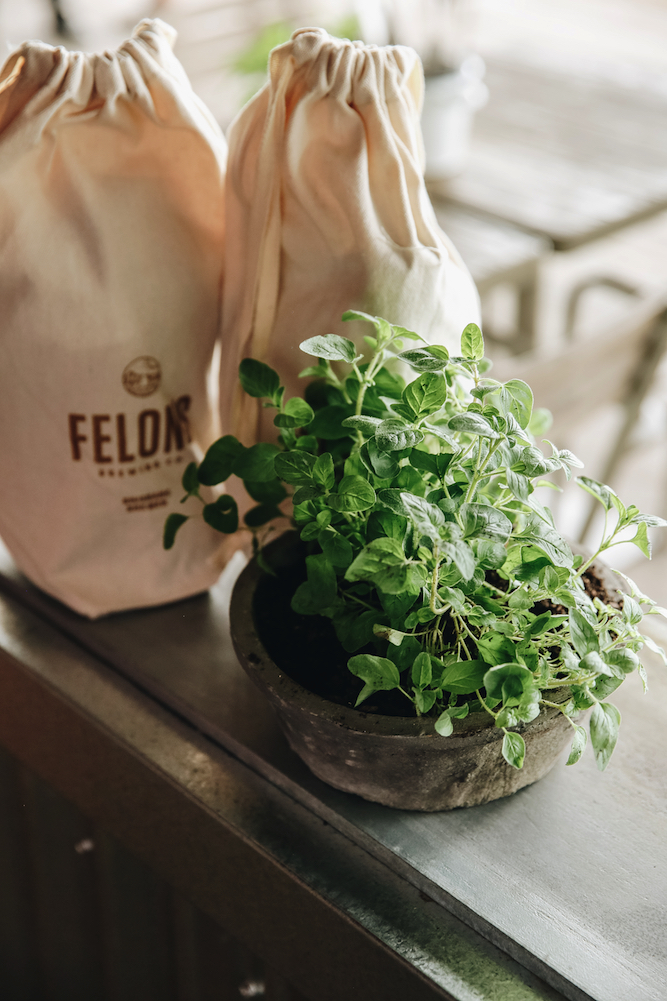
484 705
479 469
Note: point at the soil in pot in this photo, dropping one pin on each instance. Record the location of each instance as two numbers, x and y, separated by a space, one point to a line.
306 647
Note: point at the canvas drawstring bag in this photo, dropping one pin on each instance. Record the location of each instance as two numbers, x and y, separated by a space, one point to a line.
327 211
111 253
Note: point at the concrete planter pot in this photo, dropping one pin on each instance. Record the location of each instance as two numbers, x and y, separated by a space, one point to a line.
398 761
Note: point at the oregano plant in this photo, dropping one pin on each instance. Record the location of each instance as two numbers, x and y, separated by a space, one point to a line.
444 576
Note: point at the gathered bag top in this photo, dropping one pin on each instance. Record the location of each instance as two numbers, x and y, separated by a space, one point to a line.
327 210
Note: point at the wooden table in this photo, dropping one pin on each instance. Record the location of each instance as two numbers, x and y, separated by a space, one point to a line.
569 158
147 723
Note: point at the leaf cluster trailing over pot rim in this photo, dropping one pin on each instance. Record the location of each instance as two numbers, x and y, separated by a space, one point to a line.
427 543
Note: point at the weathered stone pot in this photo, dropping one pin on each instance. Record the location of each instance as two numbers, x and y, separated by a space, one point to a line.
398 761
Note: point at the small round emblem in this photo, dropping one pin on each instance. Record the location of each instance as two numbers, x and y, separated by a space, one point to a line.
142 376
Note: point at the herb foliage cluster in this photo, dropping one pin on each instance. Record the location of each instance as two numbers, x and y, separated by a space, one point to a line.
428 545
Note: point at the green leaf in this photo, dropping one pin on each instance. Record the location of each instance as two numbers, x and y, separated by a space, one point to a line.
222 514
304 494
307 443
219 461
444 725
354 629
622 661
578 745
514 749
319 371
535 462
491 554
508 681
427 517
593 662
519 484
454 597
260 515
651 520
296 414
472 423
422 671
462 556
541 535
539 625
336 548
496 648
388 384
521 600
310 531
257 463
305 512
376 556
600 491
295 467
632 612
484 522
521 406
354 494
642 541
330 346
386 523
411 481
323 471
379 673
406 579
404 655
583 635
472 342
432 358
603 686
605 720
266 492
171 526
258 379
360 422
405 334
394 434
328 422
464 677
426 394
319 591
424 701
382 464
430 462
190 482
391 498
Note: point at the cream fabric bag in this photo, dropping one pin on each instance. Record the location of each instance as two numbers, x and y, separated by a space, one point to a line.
111 252
327 211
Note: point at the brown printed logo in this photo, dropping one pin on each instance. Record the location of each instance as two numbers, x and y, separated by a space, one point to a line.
147 502
142 376
119 444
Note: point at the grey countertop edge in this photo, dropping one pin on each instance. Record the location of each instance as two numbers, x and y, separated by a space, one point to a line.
369 890
306 793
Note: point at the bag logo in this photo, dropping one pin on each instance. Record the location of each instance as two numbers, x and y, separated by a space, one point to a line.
142 376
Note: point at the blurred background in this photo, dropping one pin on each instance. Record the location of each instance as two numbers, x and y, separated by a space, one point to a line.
545 126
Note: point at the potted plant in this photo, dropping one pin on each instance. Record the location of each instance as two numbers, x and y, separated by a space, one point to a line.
428 637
